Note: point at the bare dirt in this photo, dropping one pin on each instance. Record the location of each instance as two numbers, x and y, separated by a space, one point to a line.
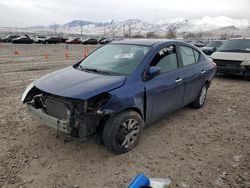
209 147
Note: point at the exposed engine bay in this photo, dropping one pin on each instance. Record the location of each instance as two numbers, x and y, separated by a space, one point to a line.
79 118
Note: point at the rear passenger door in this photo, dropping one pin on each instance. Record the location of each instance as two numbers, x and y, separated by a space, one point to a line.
194 72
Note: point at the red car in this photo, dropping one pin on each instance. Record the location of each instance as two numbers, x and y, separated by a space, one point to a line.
74 41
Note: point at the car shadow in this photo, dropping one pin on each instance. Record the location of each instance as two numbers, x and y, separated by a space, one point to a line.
92 146
232 77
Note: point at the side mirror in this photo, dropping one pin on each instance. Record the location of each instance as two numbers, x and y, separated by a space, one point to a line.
153 72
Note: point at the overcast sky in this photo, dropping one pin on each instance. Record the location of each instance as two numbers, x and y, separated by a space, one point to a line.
45 12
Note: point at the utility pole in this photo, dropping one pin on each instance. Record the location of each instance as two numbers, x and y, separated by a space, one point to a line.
81 31
184 35
113 28
123 30
55 27
130 31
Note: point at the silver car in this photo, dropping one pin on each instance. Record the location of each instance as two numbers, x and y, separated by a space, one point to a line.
233 57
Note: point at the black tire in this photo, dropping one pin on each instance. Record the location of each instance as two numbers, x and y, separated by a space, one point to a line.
247 76
114 131
201 99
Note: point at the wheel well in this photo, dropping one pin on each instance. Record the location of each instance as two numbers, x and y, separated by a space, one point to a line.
132 109
106 118
207 83
135 109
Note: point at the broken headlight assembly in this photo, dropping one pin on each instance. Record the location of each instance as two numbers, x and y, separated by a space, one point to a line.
26 91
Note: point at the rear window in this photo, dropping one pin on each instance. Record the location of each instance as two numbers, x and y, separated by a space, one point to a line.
236 45
214 44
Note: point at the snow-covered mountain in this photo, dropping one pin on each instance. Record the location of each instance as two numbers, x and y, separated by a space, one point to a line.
211 23
180 24
205 23
140 27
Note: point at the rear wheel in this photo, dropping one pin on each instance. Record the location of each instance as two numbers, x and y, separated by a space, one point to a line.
201 99
247 75
122 133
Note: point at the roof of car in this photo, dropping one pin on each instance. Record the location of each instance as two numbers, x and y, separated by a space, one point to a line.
241 38
217 40
145 42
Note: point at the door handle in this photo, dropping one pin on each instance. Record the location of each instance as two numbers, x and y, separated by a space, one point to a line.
178 80
203 71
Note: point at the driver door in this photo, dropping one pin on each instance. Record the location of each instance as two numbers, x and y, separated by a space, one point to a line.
165 92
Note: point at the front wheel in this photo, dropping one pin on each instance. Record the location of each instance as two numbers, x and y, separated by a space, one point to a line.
201 99
247 75
122 133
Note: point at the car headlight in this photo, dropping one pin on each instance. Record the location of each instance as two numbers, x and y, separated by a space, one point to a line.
26 91
245 63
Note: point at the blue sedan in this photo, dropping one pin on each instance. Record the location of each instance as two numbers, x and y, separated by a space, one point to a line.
121 87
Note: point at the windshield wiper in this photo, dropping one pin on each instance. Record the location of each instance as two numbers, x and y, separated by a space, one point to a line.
93 70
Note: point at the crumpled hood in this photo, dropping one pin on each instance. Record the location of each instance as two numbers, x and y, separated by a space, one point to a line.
73 83
232 56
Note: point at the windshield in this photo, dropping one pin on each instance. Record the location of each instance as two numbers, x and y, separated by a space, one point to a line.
237 45
214 44
115 58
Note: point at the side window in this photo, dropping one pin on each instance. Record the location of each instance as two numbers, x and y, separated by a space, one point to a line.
196 55
187 55
166 59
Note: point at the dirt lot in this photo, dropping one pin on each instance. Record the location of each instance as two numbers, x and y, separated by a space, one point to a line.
209 147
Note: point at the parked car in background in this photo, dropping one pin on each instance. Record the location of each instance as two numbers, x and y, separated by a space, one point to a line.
39 39
189 42
121 87
74 41
199 43
233 57
23 40
9 38
63 39
52 40
211 47
90 41
106 41
101 39
1 40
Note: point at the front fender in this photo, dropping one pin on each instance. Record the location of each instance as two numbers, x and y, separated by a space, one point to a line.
128 97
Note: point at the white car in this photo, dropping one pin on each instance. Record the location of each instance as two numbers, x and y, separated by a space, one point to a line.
233 57
39 39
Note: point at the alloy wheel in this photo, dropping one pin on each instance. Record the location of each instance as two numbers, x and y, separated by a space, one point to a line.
128 133
203 95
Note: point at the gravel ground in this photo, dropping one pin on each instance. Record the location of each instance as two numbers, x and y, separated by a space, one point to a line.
209 147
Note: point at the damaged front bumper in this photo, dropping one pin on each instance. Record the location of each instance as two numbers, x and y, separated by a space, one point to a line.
79 118
50 121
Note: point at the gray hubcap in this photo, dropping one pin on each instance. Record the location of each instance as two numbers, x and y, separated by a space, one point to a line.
203 95
128 133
